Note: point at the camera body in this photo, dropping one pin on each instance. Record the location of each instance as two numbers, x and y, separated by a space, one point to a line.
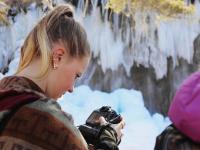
92 128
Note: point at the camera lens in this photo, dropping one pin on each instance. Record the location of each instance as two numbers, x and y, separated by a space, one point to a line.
105 108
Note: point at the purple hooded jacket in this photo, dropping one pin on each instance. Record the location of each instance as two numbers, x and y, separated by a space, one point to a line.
184 111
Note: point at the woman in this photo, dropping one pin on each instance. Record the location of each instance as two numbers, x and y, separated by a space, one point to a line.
55 54
184 132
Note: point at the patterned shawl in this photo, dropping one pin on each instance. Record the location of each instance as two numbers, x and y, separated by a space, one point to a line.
29 120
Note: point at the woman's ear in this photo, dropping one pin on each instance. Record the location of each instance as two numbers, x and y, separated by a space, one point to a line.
58 53
57 56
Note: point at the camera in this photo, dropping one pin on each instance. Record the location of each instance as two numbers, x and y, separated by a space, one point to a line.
91 130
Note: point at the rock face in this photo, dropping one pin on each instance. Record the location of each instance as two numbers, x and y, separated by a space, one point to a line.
157 93
153 50
196 57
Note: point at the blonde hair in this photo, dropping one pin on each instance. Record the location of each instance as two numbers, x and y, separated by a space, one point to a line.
55 26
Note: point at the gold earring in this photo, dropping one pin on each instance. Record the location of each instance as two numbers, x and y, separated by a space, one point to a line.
55 66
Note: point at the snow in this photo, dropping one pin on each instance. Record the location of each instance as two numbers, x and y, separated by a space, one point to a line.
141 127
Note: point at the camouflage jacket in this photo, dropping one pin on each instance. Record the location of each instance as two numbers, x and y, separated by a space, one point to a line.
172 139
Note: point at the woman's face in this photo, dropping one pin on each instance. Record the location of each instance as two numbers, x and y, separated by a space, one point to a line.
63 78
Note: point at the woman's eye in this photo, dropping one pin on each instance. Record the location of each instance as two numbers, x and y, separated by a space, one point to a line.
77 76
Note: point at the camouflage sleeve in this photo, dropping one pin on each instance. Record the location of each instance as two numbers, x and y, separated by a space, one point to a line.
107 139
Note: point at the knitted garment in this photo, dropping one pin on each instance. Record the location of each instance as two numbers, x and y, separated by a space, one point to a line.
29 120
184 111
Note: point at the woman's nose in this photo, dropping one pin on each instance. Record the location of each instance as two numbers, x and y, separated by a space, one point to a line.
70 90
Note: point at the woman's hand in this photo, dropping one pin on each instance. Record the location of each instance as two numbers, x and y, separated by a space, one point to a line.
117 127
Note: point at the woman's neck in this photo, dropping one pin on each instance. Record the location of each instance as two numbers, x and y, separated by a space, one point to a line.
31 72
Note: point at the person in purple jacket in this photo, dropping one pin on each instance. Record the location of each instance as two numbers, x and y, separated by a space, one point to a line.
184 112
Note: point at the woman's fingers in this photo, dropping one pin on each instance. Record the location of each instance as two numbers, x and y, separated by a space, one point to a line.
117 127
102 121
121 124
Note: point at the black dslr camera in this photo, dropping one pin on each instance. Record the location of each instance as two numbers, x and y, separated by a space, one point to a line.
91 130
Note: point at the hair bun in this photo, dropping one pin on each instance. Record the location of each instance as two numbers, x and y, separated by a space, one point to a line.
68 14
68 10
